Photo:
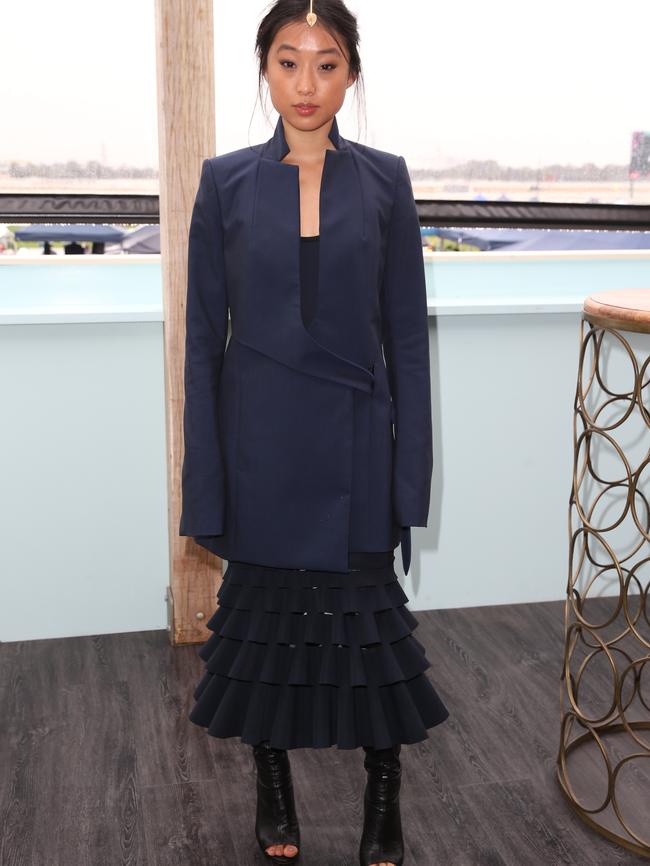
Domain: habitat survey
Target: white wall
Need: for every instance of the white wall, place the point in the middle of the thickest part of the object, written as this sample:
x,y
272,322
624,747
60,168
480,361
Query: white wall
x,y
84,504
502,390
83,510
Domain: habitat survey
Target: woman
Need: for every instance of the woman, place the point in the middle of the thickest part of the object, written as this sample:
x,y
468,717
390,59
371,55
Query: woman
x,y
308,442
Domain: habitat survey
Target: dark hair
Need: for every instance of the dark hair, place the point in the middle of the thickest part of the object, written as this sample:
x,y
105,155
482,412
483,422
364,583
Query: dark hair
x,y
333,15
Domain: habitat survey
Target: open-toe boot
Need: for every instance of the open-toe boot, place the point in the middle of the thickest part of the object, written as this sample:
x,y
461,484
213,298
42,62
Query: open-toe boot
x,y
276,822
381,840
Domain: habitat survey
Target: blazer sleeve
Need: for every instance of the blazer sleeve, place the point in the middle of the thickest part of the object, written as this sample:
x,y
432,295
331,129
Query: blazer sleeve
x,y
405,338
206,323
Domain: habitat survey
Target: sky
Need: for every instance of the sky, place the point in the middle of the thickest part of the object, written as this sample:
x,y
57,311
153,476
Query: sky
x,y
523,83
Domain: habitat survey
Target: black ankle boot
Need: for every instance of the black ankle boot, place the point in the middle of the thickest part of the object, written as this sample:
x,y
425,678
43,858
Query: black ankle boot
x,y
275,822
382,840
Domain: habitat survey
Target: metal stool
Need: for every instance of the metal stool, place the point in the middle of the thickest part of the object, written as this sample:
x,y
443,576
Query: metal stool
x,y
603,764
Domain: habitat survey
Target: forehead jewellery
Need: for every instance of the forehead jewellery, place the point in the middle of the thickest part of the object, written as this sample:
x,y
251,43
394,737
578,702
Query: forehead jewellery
x,y
311,15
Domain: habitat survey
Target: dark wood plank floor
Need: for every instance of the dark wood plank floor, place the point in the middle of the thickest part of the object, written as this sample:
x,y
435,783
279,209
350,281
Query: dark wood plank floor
x,y
100,766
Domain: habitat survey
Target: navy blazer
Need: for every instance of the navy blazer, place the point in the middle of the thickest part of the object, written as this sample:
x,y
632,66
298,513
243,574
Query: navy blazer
x,y
304,443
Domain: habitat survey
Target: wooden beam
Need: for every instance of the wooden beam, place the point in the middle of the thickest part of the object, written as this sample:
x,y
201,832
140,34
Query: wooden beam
x,y
186,136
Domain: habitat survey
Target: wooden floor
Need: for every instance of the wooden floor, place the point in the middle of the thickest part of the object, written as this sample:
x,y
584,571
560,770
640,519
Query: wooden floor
x,y
100,767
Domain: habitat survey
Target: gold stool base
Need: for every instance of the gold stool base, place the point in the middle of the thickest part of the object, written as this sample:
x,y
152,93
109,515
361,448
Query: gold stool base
x,y
606,810
603,767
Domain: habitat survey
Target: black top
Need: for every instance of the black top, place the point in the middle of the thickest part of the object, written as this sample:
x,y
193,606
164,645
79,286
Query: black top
x,y
309,248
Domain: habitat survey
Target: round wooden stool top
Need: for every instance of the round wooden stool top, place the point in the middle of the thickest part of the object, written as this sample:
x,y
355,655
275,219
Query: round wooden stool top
x,y
624,309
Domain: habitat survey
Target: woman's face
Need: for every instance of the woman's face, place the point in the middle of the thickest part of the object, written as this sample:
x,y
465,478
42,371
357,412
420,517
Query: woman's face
x,y
305,65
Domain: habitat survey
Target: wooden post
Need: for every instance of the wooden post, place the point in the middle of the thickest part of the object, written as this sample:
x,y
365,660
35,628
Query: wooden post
x,y
186,136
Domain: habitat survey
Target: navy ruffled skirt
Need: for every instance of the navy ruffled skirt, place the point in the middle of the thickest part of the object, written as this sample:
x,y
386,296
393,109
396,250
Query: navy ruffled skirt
x,y
312,659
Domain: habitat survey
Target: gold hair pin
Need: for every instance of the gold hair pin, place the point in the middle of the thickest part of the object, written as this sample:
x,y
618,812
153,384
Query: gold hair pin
x,y
311,15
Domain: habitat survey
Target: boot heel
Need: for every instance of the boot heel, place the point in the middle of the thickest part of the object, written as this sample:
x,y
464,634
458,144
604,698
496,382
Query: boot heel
x,y
276,822
382,840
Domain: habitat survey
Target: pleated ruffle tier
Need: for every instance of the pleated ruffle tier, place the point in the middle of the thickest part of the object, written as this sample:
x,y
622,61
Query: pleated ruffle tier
x,y
312,659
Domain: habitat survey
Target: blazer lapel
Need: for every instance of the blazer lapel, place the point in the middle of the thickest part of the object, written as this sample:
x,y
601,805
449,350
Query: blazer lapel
x,y
331,347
